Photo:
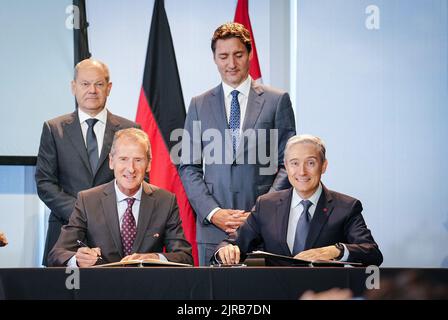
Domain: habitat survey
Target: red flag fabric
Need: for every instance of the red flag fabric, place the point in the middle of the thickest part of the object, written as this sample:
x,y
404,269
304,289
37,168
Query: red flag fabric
x,y
242,16
161,110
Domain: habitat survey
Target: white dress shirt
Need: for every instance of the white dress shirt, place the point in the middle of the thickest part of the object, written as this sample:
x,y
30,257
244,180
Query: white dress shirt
x,y
99,128
295,212
243,97
122,205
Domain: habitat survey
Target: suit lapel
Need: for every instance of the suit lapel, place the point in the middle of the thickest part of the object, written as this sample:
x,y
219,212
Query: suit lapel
x,y
218,110
109,203
283,209
72,129
112,126
255,103
147,205
323,211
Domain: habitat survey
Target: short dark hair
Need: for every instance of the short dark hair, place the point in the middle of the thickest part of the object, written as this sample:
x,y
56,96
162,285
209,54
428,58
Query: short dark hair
x,y
232,30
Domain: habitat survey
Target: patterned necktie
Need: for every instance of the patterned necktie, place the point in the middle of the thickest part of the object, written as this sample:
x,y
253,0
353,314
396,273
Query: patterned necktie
x,y
303,226
92,144
128,228
234,120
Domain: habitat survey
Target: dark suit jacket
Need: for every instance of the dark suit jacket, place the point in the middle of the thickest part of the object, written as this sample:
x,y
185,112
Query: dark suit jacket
x,y
95,222
337,218
233,185
63,168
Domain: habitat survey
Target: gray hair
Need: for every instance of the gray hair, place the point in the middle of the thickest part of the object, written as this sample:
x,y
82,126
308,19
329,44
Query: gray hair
x,y
134,134
306,138
92,62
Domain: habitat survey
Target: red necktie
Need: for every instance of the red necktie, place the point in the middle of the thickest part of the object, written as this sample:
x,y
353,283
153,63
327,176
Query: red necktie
x,y
128,228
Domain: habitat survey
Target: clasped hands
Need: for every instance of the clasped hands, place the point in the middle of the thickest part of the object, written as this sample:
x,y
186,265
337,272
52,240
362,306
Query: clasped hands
x,y
229,220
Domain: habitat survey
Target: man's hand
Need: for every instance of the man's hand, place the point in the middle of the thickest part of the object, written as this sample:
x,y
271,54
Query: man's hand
x,y
3,240
87,257
229,254
229,220
324,253
141,256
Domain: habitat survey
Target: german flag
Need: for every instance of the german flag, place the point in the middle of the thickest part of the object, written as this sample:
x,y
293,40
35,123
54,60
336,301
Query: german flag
x,y
161,110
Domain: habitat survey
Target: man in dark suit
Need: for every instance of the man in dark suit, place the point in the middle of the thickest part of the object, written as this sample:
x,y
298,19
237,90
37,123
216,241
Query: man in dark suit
x,y
248,121
74,147
308,221
126,218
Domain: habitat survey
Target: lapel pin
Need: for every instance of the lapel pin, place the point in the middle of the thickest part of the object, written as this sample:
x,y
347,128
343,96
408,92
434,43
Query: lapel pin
x,y
156,235
325,210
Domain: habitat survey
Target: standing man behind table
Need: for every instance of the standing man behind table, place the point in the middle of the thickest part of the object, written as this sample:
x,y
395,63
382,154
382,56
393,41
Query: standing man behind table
x,y
224,191
74,147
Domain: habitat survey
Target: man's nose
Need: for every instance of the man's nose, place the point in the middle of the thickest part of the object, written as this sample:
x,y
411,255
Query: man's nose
x,y
232,62
301,169
131,166
92,88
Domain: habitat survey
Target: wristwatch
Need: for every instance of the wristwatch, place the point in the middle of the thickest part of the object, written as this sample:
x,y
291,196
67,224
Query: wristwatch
x,y
341,249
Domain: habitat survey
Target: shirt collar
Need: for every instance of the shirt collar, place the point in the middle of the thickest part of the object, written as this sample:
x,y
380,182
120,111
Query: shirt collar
x,y
296,199
243,88
101,116
121,196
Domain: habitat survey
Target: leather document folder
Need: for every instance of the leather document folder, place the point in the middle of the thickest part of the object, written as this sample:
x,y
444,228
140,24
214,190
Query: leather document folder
x,y
290,261
143,263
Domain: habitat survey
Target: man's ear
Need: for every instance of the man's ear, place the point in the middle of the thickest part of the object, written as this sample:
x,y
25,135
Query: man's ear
x,y
148,168
324,166
109,87
111,165
73,86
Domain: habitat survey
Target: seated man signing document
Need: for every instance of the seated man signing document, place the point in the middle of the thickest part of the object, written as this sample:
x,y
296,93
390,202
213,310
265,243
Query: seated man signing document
x,y
308,221
126,218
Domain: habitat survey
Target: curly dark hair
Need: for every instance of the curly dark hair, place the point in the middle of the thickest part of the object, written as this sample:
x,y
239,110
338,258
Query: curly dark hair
x,y
232,30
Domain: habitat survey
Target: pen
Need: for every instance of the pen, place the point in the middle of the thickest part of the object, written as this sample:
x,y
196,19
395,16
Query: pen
x,y
82,244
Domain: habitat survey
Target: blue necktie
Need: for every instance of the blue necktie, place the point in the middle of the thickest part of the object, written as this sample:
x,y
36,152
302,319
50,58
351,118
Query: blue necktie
x,y
92,144
303,226
234,120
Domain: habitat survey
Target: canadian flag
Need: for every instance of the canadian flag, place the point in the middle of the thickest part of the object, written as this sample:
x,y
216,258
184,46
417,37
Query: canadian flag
x,y
242,16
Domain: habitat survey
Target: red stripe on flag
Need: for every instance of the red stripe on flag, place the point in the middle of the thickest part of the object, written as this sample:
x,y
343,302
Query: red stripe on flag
x,y
163,172
242,16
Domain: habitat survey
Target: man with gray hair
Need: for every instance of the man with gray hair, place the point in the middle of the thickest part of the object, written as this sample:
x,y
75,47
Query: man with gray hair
x,y
125,219
308,221
74,147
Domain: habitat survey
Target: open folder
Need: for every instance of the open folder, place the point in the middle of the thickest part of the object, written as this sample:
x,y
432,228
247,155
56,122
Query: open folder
x,y
143,263
290,261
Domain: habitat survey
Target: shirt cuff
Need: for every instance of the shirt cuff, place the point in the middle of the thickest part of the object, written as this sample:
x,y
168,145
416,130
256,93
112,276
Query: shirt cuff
x,y
72,263
210,215
162,257
346,253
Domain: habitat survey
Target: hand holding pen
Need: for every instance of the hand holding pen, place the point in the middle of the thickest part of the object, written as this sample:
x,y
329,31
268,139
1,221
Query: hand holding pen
x,y
87,257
